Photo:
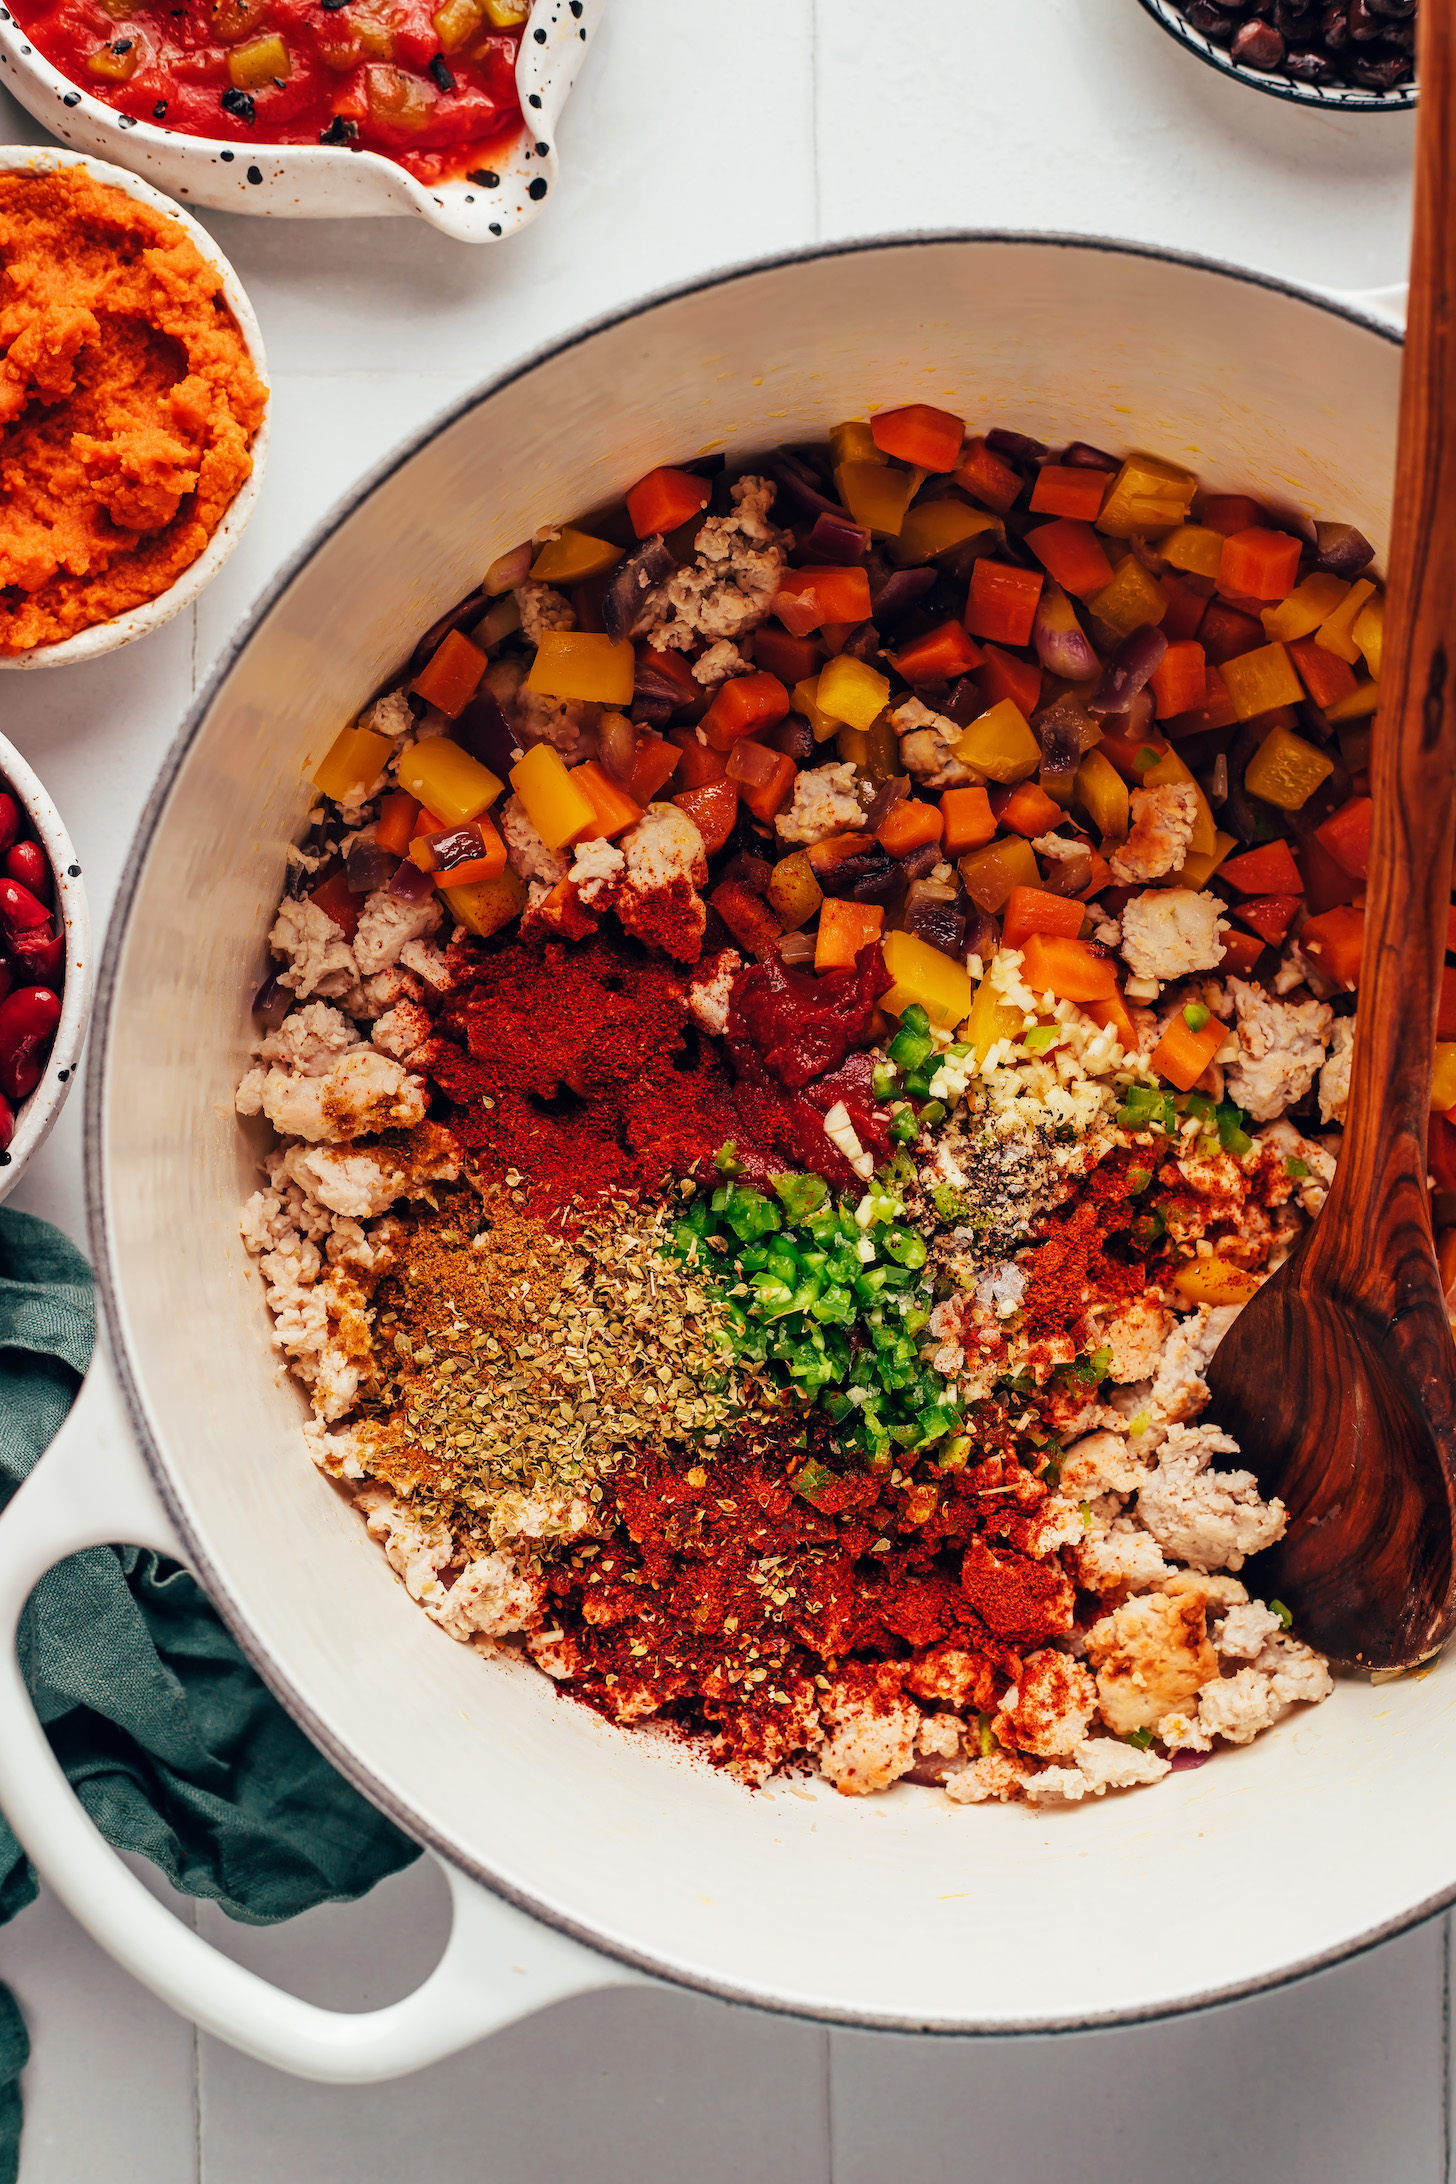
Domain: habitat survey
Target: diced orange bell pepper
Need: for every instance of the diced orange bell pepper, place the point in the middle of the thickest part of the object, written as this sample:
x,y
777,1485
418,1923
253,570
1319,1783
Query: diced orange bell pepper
x,y
1335,940
336,902
656,762
930,439
1182,1055
1269,915
1078,494
969,820
1346,835
1070,969
747,917
449,678
771,785
1268,870
666,498
1216,711
792,659
1186,608
909,825
1241,951
1072,555
845,928
743,704
1114,1010
1002,676
396,822
614,809
699,763
807,598
938,656
1030,811
489,865
1227,513
1002,601
1324,674
1032,910
1214,1281
1226,634
987,479
1259,563
1180,680
713,809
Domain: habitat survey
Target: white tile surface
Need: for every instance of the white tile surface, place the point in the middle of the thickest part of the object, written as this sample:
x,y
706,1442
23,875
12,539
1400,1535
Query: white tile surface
x,y
703,133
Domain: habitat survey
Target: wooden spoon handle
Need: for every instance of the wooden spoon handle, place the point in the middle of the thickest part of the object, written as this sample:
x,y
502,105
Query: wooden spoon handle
x,y
1380,1185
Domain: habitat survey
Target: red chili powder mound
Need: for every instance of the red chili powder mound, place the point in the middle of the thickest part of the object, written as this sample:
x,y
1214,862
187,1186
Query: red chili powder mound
x,y
1072,1266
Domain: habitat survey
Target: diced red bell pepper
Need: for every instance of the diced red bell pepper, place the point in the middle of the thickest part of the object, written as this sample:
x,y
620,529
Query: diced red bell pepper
x,y
1187,606
336,902
1072,555
939,656
1230,512
743,704
764,777
928,438
1241,951
1078,494
1030,811
1032,910
1180,680
1346,835
1335,940
1129,754
1216,711
713,809
1326,882
1269,915
656,762
808,598
792,659
1324,674
1259,564
699,763
1226,634
1002,601
987,479
666,498
1001,676
396,822
449,678
1268,870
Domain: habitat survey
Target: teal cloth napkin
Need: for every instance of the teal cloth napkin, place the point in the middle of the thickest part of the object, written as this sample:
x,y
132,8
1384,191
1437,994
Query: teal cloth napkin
x,y
172,1744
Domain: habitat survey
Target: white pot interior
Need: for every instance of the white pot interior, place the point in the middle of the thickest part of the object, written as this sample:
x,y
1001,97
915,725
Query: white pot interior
x,y
895,1910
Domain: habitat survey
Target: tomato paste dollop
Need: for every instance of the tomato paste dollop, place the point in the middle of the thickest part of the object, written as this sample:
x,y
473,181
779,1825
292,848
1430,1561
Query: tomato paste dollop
x,y
432,88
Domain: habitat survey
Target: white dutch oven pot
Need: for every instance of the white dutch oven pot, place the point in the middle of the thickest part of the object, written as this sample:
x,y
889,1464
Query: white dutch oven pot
x,y
581,1856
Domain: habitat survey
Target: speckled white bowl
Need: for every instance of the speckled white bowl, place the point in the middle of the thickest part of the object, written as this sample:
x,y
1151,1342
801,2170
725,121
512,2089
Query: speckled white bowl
x,y
1340,98
36,1116
123,629
322,182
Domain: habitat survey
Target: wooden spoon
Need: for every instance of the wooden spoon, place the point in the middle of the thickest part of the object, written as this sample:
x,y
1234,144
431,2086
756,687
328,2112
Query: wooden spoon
x,y
1339,1378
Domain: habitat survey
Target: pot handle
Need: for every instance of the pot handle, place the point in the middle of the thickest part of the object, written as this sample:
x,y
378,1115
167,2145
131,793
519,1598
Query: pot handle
x,y
499,1965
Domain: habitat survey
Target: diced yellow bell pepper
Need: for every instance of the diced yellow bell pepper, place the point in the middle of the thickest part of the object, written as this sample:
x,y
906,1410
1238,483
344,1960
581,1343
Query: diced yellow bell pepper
x,y
1103,795
1305,608
1214,1281
1199,867
991,1020
921,973
1193,548
1285,770
873,750
1147,495
1258,681
110,66
260,62
992,872
1443,1078
934,527
1169,769
1133,600
794,895
852,691
447,780
1359,705
455,22
354,759
806,701
557,807
573,557
1337,632
489,904
507,14
574,663
1000,744
855,443
875,495
1369,632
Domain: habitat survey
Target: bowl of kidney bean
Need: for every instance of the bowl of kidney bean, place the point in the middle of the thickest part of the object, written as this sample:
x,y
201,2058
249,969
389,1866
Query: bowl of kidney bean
x,y
1355,56
45,964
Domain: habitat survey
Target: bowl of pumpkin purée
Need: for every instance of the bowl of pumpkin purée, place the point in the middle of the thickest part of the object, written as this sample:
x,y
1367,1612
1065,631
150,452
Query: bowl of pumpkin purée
x,y
133,408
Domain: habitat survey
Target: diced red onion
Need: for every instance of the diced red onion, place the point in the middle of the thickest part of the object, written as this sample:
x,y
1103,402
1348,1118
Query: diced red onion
x,y
835,538
367,866
796,947
1064,652
748,871
410,884
273,1001
469,609
793,736
1064,730
881,879
795,481
1146,556
1218,781
1018,445
622,601
653,685
509,570
933,914
1342,550
1185,1762
899,593
1138,719
1079,456
617,740
1067,875
1128,671
483,730
455,846
751,764
886,797
919,861
967,702
983,934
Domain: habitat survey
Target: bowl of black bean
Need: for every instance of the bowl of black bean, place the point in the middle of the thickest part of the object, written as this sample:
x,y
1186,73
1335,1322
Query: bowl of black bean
x,y
1355,56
